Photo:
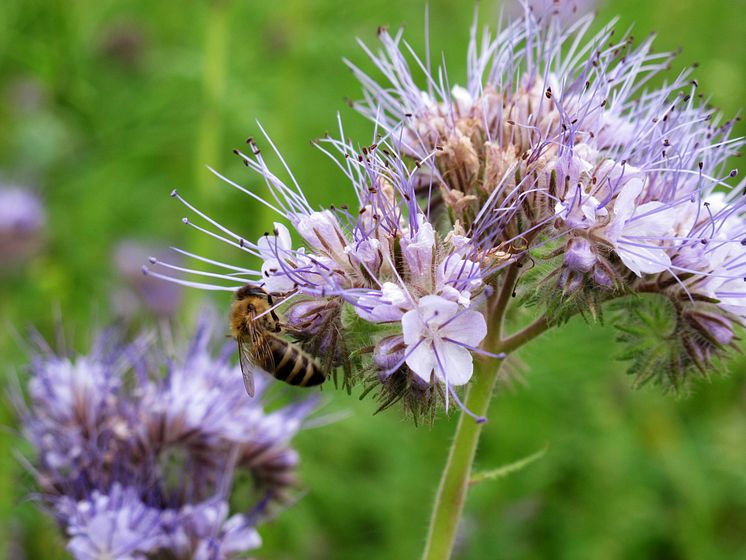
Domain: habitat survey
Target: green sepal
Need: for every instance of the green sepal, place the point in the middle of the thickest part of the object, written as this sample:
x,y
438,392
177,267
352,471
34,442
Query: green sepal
x,y
659,343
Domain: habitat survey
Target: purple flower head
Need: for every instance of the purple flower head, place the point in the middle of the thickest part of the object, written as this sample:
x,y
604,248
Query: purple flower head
x,y
566,141
136,451
22,222
199,410
115,524
205,531
118,524
74,416
554,148
553,151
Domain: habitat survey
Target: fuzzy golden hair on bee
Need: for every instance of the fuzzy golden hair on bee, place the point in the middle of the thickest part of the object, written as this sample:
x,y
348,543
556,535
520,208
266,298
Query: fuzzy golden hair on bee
x,y
261,346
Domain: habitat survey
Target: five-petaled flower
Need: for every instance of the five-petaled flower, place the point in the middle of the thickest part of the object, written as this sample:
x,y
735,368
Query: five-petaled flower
x,y
440,336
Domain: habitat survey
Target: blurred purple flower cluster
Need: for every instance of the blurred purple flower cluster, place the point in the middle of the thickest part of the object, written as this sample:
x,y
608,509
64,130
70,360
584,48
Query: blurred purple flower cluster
x,y
22,223
137,449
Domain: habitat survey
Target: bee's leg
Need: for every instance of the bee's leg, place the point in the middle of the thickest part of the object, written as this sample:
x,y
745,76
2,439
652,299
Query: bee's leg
x,y
272,313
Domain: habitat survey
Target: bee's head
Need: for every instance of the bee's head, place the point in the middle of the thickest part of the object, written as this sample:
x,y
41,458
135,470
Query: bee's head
x,y
250,291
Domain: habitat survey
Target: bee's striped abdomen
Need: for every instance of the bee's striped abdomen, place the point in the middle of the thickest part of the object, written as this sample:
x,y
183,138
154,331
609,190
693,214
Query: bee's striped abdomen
x,y
293,365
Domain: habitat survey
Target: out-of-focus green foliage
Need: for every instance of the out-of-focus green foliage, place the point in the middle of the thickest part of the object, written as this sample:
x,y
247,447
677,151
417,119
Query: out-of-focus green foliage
x,y
102,106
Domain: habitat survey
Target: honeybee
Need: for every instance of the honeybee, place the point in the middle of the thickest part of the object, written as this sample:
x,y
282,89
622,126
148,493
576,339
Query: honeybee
x,y
256,328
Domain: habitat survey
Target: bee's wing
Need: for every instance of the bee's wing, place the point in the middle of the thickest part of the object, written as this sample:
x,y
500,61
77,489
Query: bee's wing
x,y
254,353
247,366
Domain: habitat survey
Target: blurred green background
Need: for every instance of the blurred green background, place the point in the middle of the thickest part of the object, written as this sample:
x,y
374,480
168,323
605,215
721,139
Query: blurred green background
x,y
108,105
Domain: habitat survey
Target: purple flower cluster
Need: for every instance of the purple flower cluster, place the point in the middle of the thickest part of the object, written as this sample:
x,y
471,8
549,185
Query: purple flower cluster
x,y
137,452
554,151
556,141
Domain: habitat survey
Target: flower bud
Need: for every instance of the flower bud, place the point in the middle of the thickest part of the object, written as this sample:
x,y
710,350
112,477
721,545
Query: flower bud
x,y
307,316
317,324
399,383
570,281
367,254
417,250
579,254
716,328
388,353
601,277
322,231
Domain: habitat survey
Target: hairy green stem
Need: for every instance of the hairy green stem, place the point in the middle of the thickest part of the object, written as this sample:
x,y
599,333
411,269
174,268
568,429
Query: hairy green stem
x,y
523,336
454,482
449,502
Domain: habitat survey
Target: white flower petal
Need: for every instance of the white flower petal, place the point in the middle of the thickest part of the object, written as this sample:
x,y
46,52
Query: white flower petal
x,y
624,208
385,306
421,360
732,296
455,270
366,252
283,235
460,243
644,260
272,245
457,362
436,310
450,293
413,329
469,327
275,279
653,219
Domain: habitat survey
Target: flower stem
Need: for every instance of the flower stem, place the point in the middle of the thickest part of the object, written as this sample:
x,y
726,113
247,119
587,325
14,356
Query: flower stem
x,y
530,332
454,482
449,502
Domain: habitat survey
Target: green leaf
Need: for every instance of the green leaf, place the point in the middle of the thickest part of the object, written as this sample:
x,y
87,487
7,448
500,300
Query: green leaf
x,y
510,468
